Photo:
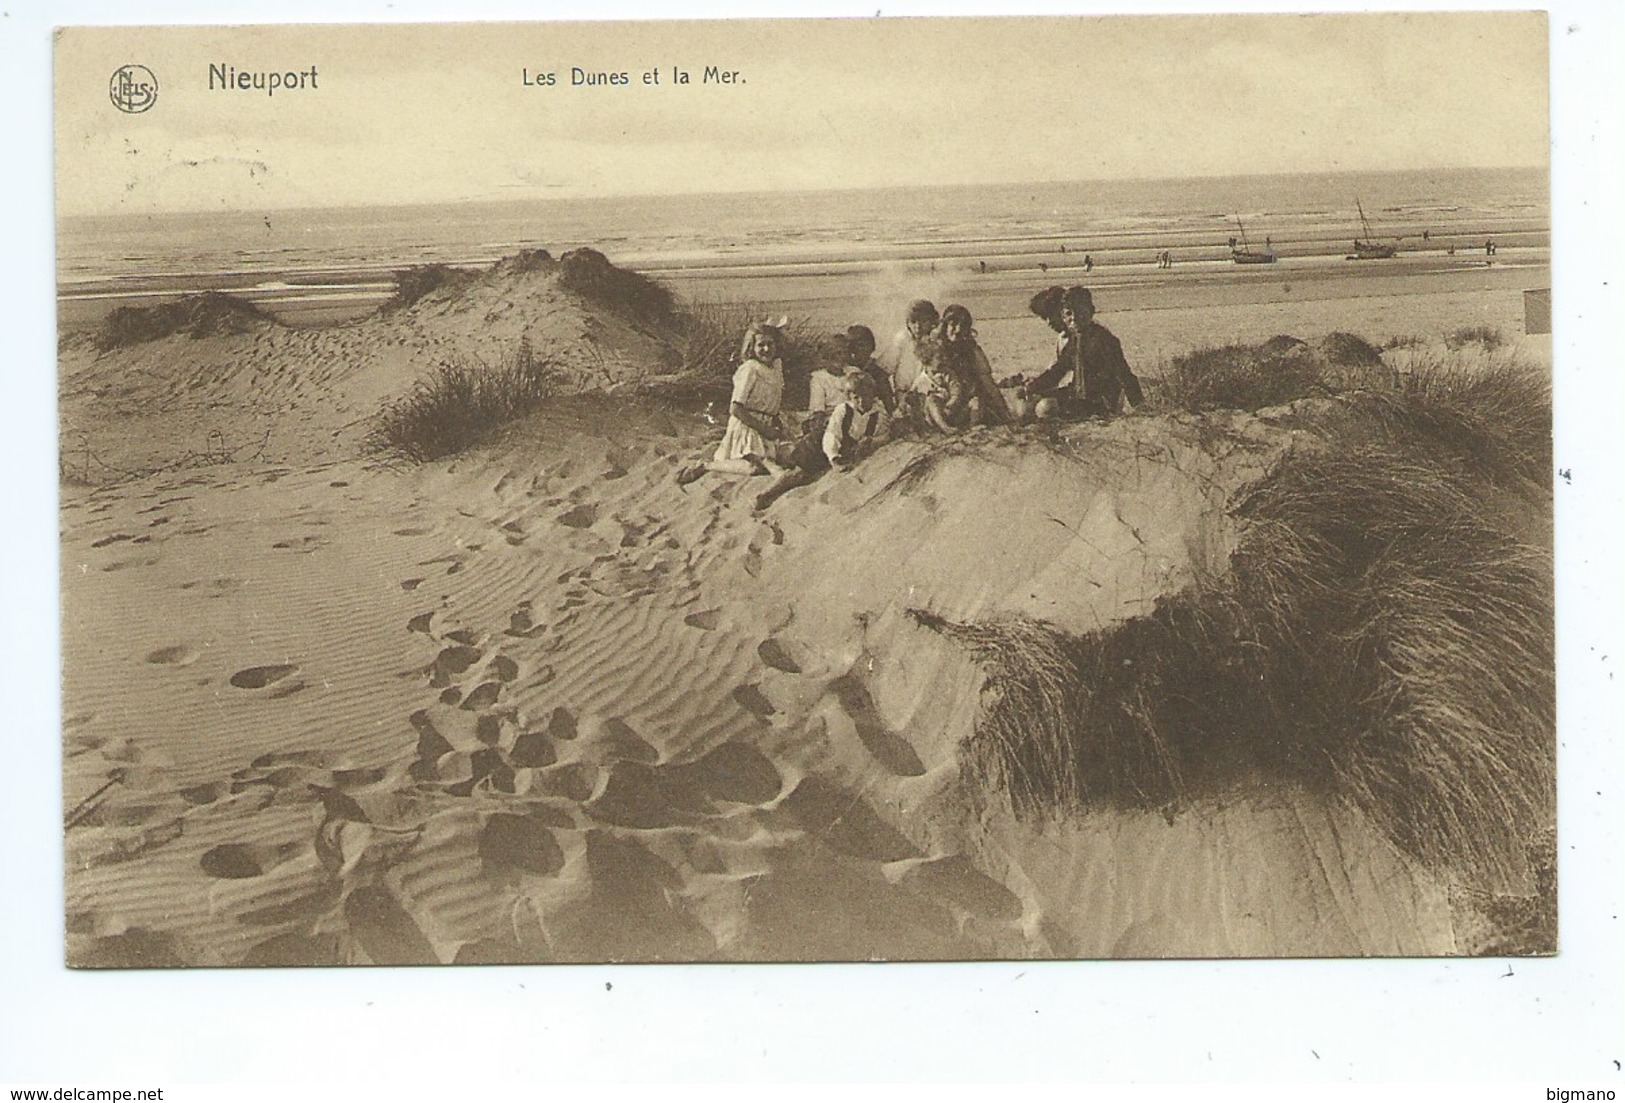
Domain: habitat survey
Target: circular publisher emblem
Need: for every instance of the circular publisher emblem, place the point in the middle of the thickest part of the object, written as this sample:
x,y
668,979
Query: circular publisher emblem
x,y
133,88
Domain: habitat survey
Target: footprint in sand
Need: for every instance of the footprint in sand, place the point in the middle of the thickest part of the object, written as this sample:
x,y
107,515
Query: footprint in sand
x,y
180,654
482,696
845,822
751,698
258,677
420,623
533,750
520,842
618,740
562,724
706,619
583,516
412,532
410,584
114,539
773,652
452,661
503,669
521,624
633,797
955,879
239,861
126,564
735,773
891,750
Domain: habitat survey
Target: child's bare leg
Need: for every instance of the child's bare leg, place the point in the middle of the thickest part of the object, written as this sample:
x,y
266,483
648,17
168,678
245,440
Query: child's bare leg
x,y
739,466
934,414
794,477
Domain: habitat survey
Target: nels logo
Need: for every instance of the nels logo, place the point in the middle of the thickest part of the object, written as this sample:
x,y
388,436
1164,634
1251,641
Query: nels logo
x,y
133,88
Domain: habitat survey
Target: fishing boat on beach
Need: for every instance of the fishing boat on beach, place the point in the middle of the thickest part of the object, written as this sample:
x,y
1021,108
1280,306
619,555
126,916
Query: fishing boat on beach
x,y
1245,253
1365,248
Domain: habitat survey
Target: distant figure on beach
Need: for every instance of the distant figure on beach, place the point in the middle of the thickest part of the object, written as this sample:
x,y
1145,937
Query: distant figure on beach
x,y
902,359
747,446
1232,243
983,265
1088,263
1090,376
1424,235
1489,248
854,427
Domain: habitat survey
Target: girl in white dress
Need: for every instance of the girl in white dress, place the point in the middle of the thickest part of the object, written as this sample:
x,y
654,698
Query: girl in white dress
x,y
748,445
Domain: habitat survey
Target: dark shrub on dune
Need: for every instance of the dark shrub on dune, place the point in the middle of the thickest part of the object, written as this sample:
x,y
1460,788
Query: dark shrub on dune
x,y
632,295
1281,370
1492,422
707,349
525,261
1382,638
413,284
1344,350
210,314
1241,377
1486,337
459,405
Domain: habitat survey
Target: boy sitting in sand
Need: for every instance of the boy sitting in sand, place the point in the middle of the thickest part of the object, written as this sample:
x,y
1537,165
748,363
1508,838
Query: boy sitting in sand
x,y
1096,375
859,346
855,426
747,446
826,387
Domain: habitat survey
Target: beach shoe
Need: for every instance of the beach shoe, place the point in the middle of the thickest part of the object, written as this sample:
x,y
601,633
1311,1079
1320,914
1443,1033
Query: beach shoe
x,y
757,465
686,475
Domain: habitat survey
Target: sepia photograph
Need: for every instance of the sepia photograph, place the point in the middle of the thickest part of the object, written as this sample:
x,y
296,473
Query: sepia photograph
x,y
797,490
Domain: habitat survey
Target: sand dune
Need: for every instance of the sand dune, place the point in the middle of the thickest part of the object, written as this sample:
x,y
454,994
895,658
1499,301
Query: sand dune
x,y
508,709
539,703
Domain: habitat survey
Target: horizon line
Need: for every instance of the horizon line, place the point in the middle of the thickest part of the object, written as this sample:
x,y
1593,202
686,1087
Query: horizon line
x,y
541,197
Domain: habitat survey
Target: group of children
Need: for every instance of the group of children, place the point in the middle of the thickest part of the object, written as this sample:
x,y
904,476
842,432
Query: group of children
x,y
933,376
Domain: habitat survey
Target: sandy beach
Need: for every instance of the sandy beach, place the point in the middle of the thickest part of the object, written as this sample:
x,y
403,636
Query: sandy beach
x,y
540,703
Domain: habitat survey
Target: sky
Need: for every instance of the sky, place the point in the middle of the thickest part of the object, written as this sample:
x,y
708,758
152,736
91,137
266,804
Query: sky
x,y
425,114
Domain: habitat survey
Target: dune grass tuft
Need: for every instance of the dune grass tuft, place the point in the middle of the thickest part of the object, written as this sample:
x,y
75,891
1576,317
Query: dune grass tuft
x,y
460,404
212,313
415,283
709,333
630,294
1241,377
1488,338
1382,637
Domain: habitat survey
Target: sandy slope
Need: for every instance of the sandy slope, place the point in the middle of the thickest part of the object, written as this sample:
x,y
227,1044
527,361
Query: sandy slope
x,y
542,704
277,393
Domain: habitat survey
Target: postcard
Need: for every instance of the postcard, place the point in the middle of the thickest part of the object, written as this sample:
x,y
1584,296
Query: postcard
x,y
806,490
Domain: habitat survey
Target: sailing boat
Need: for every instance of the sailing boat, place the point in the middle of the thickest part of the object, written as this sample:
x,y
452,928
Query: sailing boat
x,y
1246,254
1367,249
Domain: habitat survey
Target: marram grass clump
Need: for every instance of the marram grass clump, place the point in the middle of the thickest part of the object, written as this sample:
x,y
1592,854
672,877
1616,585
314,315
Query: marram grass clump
x,y
461,404
209,314
1382,637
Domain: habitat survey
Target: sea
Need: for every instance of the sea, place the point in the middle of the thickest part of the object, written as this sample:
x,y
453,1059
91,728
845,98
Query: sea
x,y
326,264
